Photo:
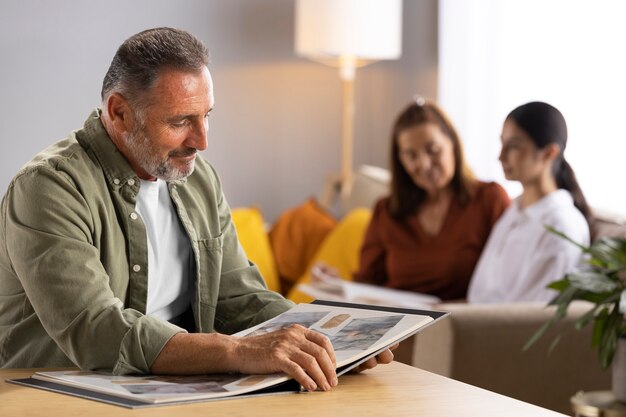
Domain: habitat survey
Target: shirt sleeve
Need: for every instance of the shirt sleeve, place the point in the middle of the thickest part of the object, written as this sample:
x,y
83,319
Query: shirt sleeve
x,y
54,253
372,268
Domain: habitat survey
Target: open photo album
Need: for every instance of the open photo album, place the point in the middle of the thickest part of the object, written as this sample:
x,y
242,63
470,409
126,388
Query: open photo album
x,y
327,287
357,332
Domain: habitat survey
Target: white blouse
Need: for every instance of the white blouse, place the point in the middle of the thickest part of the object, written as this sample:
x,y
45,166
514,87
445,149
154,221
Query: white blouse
x,y
521,257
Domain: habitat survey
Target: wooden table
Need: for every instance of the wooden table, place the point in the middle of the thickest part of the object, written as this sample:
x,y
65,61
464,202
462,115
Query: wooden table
x,y
390,390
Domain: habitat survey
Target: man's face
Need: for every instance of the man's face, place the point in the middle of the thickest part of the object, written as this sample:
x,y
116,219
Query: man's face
x,y
172,125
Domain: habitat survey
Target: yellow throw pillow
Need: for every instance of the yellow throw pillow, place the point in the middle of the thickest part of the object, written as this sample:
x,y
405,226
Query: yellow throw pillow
x,y
253,237
341,249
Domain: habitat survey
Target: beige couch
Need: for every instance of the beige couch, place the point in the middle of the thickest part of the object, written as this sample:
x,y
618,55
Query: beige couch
x,y
482,346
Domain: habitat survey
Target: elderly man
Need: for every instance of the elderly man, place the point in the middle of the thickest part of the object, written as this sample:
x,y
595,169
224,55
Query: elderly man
x,y
117,249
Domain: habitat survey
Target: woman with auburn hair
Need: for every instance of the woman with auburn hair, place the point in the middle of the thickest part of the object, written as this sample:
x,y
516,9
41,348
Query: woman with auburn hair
x,y
428,234
522,256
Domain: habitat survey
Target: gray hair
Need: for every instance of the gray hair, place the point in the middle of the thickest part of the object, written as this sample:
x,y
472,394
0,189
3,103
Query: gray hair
x,y
141,58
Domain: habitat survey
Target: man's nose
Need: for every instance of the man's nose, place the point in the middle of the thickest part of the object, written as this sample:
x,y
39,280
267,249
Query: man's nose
x,y
198,136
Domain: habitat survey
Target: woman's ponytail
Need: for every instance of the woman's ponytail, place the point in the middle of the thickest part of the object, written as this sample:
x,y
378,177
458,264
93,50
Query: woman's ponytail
x,y
566,179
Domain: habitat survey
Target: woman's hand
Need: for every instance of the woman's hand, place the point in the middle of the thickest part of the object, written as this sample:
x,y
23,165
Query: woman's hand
x,y
321,271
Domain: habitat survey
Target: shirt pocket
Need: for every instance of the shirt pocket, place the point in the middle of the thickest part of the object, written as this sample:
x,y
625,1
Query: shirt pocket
x,y
209,264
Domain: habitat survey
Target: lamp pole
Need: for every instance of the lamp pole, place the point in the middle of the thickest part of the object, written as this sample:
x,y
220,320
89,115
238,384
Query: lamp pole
x,y
347,72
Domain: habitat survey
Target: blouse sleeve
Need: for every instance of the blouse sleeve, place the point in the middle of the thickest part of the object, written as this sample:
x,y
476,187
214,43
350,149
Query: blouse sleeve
x,y
373,252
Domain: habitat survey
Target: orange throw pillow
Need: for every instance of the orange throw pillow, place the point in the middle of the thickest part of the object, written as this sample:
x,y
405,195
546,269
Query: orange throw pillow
x,y
295,237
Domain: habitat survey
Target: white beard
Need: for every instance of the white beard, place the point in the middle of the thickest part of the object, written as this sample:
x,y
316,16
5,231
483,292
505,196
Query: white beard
x,y
147,157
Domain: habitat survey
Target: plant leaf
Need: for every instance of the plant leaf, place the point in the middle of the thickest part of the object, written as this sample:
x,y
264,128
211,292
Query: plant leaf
x,y
598,327
564,236
611,252
555,342
591,281
564,298
559,285
610,336
601,285
598,299
545,326
583,320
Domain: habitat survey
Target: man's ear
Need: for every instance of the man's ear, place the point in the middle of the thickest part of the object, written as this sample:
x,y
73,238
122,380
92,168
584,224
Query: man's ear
x,y
120,113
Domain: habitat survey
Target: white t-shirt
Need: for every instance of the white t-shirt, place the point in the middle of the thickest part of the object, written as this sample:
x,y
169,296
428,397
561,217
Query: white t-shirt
x,y
170,258
521,257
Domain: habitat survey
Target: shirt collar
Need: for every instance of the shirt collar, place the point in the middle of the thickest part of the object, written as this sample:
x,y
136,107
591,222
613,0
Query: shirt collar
x,y
546,204
116,167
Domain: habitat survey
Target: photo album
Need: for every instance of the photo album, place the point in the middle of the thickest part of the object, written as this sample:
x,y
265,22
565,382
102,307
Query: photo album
x,y
328,287
357,332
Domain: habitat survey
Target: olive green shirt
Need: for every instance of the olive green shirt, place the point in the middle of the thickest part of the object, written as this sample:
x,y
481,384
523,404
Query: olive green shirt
x,y
74,262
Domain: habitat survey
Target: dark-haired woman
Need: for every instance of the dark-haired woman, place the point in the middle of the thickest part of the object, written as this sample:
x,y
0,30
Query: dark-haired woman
x,y
521,256
428,234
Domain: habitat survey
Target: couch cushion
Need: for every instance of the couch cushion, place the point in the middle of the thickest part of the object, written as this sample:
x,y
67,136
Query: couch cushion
x,y
296,236
253,237
341,250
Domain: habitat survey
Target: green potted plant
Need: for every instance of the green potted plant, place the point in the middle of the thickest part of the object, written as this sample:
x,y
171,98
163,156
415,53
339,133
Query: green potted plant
x,y
603,284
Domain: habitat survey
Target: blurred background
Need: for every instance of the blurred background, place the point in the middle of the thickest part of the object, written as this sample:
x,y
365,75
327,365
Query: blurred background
x,y
275,133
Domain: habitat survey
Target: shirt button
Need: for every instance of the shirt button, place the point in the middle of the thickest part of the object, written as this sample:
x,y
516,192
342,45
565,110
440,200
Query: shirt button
x,y
116,181
133,216
131,182
136,268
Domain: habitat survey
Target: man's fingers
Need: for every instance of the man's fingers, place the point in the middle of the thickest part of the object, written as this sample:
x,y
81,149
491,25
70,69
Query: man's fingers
x,y
382,358
294,370
368,364
322,362
322,341
385,357
312,368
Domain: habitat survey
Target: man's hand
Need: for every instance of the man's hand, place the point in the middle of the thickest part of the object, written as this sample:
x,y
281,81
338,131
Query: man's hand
x,y
304,354
382,358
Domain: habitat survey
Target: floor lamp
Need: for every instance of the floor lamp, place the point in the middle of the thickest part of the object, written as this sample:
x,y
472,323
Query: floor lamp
x,y
348,34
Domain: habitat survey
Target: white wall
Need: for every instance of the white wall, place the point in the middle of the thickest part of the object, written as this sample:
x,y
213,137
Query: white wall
x,y
274,134
490,63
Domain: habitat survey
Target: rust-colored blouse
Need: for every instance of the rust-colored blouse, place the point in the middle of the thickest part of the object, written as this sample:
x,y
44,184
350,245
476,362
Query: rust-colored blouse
x,y
401,255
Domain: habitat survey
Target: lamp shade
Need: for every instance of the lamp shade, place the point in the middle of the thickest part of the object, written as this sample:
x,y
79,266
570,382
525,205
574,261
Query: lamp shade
x,y
367,30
